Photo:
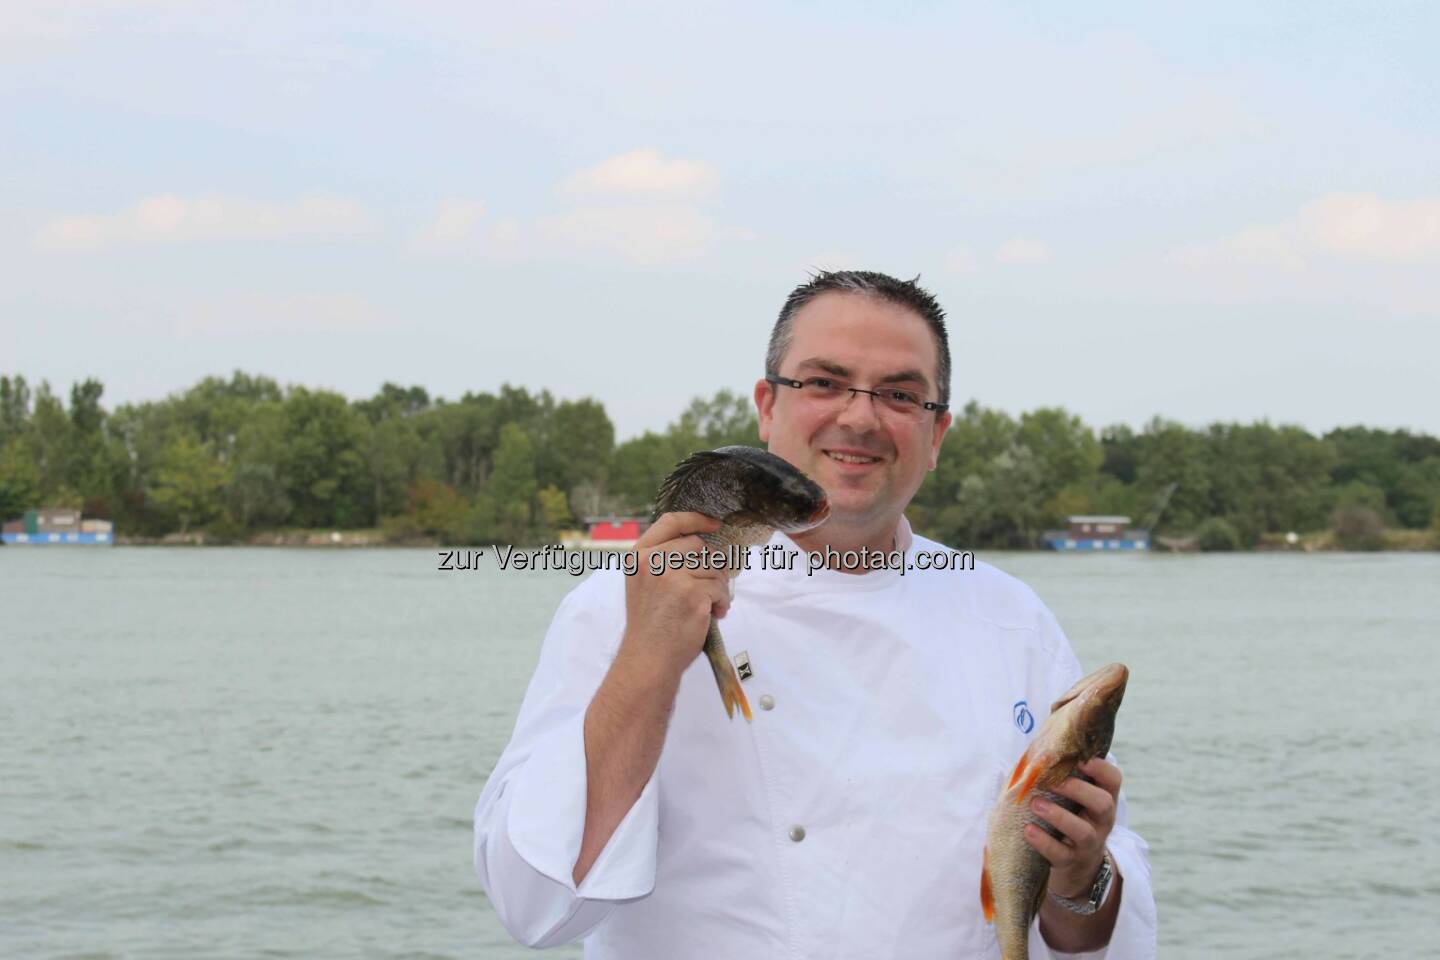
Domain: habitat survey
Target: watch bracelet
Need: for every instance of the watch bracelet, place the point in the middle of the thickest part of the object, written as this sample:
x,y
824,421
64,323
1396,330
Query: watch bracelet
x,y
1092,904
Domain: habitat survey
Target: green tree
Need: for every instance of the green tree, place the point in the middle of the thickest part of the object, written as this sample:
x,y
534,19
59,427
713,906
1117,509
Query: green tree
x,y
638,466
395,402
554,510
513,486
188,483
465,434
19,480
52,443
1358,528
1068,458
438,509
14,407
322,460
256,495
579,443
1168,452
723,420
393,456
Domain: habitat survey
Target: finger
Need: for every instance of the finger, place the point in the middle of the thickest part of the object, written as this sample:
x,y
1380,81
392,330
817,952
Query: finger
x,y
718,593
1077,829
671,552
668,526
698,558
692,555
1105,774
1097,803
1059,854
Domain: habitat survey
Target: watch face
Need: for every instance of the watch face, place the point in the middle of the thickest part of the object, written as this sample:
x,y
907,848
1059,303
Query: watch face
x,y
1102,884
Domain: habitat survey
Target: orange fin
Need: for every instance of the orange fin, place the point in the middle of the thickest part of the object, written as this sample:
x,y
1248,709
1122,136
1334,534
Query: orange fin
x,y
1031,776
735,696
726,678
1019,769
987,898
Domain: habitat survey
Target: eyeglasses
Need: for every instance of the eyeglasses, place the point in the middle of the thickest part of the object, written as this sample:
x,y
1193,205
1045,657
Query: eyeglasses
x,y
831,392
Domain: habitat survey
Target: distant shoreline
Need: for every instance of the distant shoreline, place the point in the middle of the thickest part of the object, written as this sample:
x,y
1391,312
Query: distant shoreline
x,y
1395,541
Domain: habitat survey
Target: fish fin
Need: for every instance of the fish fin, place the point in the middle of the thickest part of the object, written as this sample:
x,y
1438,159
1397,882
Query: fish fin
x,y
1032,775
673,484
1019,769
987,896
731,693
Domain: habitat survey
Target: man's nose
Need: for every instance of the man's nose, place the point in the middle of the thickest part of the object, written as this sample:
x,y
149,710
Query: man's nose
x,y
859,413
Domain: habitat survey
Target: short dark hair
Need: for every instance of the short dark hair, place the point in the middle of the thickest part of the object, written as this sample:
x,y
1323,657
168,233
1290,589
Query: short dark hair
x,y
882,286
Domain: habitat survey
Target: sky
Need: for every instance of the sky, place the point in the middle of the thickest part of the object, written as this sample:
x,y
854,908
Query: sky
x,y
1204,212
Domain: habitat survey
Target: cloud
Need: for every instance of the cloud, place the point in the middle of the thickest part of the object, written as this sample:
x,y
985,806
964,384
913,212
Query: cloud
x,y
643,173
455,226
209,218
1022,251
1357,227
637,208
643,235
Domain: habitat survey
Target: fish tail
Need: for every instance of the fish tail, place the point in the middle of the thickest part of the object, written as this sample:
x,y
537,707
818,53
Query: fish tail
x,y
731,693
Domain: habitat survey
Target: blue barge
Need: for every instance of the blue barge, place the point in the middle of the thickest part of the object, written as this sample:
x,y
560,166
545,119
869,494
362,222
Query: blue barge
x,y
56,525
1096,533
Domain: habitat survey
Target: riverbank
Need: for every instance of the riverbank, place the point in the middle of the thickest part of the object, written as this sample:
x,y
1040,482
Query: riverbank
x,y
1321,541
371,537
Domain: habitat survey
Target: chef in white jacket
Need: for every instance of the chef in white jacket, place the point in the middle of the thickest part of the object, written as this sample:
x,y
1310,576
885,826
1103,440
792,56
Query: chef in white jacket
x,y
848,819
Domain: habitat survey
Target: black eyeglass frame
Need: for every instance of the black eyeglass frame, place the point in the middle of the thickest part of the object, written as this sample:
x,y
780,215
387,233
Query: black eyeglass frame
x,y
799,384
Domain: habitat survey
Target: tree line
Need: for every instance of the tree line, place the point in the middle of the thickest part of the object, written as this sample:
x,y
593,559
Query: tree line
x,y
241,455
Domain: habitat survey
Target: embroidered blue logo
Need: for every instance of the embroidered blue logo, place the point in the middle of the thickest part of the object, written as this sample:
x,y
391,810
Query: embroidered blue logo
x,y
1024,719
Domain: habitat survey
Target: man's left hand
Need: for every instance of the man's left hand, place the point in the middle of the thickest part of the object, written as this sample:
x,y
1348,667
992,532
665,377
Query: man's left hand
x,y
1076,860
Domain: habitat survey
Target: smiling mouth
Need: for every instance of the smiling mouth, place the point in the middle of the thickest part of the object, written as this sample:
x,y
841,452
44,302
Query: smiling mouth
x,y
839,457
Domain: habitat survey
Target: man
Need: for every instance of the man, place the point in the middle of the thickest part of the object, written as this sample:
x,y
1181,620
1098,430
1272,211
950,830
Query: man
x,y
848,820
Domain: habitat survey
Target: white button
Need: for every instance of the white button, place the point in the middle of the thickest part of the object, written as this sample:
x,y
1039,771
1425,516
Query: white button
x,y
767,702
797,833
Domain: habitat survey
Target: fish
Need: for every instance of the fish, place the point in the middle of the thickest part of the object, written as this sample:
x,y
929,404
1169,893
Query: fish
x,y
753,493
1013,875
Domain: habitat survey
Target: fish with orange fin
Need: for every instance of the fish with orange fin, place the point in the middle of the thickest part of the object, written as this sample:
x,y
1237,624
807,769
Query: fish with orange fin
x,y
1014,876
752,493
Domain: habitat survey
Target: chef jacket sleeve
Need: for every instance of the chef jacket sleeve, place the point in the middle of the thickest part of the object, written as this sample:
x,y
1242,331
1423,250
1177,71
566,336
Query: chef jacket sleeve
x,y
1134,936
531,814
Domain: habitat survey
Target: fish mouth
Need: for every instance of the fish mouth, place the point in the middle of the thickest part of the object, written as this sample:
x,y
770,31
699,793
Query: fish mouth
x,y
817,516
1110,680
1106,688
1105,685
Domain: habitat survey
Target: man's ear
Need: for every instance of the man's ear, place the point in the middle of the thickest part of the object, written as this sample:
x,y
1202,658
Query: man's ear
x,y
764,405
942,424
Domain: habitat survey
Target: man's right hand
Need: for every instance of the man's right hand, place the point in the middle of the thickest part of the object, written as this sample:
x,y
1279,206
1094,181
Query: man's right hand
x,y
668,615
666,619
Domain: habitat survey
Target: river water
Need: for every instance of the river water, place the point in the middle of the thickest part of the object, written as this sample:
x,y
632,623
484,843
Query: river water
x,y
269,752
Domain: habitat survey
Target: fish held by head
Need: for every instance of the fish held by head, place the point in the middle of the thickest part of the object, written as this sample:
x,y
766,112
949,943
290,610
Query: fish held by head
x,y
1014,875
753,493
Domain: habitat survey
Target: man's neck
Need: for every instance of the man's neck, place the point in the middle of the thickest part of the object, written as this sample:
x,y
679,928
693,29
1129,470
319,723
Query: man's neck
x,y
838,539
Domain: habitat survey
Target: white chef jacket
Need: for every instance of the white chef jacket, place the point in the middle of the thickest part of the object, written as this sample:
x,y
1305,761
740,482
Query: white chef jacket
x,y
847,821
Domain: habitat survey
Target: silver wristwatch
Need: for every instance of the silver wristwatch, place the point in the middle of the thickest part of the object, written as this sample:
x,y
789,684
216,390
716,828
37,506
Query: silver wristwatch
x,y
1099,890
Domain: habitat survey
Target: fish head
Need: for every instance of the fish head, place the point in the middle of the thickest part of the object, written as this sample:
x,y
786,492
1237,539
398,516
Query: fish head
x,y
1089,710
776,494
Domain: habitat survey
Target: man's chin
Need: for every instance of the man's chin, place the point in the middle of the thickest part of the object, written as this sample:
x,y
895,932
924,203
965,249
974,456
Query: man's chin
x,y
848,505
